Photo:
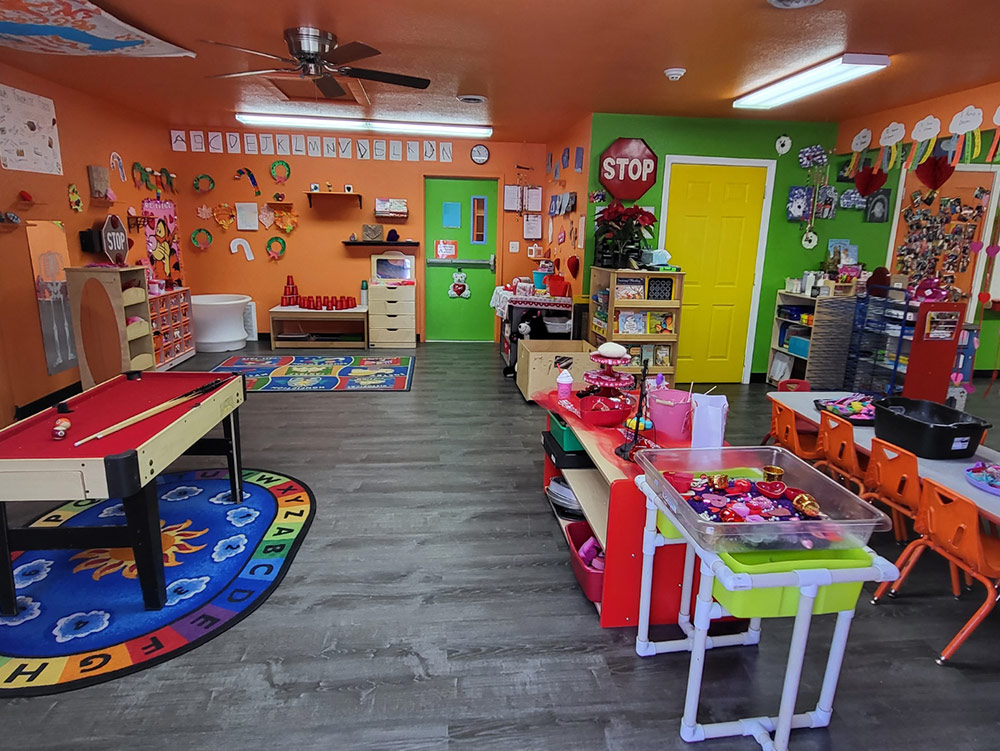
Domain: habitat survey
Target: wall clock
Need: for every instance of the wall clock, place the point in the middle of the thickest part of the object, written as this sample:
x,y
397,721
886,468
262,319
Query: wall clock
x,y
480,154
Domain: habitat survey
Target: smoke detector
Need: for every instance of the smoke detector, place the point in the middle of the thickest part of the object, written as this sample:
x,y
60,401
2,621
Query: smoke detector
x,y
788,4
674,74
471,98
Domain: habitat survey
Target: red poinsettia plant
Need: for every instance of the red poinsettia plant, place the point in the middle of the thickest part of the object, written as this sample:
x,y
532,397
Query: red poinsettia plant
x,y
620,228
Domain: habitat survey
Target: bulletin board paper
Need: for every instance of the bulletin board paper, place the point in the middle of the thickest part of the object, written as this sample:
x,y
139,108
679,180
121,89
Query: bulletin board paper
x,y
29,138
532,226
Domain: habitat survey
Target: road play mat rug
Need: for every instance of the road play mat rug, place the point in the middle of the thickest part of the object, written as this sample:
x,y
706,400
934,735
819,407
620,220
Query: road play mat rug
x,y
322,373
82,619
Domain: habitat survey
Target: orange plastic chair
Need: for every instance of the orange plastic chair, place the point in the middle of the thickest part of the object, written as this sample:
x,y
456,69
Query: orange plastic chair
x,y
786,433
791,384
839,458
951,527
893,479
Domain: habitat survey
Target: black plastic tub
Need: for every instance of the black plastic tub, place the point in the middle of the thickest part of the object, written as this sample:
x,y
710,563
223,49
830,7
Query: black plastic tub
x,y
928,429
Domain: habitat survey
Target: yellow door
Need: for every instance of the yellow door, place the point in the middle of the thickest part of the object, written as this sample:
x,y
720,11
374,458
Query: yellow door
x,y
713,226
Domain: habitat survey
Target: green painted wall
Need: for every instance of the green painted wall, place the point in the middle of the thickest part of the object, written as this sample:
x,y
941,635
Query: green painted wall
x,y
749,139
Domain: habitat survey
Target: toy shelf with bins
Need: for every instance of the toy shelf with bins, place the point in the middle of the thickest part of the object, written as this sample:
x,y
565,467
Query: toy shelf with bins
x,y
102,300
606,307
827,329
173,335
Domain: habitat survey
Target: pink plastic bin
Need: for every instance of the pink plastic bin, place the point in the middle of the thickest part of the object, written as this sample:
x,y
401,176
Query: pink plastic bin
x,y
591,580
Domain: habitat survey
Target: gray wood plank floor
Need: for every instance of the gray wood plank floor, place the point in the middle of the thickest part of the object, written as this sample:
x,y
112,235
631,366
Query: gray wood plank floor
x,y
432,606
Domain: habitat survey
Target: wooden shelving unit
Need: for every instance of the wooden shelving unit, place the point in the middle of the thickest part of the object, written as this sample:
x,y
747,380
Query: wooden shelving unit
x,y
102,299
829,336
310,194
173,334
606,280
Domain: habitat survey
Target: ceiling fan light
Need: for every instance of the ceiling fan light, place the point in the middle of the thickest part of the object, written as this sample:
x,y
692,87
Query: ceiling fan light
x,y
311,122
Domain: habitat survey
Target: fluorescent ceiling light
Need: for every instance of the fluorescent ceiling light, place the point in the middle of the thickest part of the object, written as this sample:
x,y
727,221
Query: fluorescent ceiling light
x,y
363,126
824,76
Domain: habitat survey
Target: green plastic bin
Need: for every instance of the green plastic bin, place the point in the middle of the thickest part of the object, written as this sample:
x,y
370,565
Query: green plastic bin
x,y
563,433
780,602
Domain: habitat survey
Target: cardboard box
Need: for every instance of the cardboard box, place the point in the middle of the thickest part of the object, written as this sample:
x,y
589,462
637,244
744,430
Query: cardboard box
x,y
537,366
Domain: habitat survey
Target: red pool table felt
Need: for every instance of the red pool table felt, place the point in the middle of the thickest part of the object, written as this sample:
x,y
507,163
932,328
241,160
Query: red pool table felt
x,y
101,407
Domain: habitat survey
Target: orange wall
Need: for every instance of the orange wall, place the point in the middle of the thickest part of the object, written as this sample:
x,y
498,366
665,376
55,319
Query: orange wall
x,y
315,255
89,130
569,181
944,108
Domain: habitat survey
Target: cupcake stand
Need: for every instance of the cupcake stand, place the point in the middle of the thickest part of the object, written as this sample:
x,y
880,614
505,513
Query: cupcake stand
x,y
796,568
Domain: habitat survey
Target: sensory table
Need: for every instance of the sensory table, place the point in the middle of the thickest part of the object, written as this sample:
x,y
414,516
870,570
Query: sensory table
x,y
125,464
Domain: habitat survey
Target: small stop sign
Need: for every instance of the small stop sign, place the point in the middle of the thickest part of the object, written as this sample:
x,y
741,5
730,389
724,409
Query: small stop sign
x,y
115,240
628,168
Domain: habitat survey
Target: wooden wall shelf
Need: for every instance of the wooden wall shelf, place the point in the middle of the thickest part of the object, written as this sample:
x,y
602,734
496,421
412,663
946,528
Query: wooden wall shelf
x,y
381,244
310,194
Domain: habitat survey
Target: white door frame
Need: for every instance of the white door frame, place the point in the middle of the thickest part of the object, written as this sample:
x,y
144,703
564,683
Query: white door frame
x,y
765,219
989,219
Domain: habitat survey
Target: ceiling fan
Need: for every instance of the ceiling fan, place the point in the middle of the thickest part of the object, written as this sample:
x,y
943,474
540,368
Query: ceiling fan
x,y
315,54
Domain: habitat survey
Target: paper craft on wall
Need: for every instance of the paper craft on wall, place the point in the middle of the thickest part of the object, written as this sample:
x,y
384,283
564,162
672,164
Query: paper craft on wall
x,y
196,140
49,259
178,140
250,143
444,151
246,216
578,159
329,147
826,202
859,145
451,215
314,146
77,27
100,181
364,149
298,144
430,151
888,141
379,149
413,151
532,226
924,135
877,208
799,206
532,198
266,144
118,165
30,140
395,151
968,138
282,144
238,243
548,163
162,242
216,143
992,154
512,197
565,158
345,148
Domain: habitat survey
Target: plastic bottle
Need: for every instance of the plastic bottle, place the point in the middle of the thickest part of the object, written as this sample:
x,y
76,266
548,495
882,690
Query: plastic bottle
x,y
564,384
364,292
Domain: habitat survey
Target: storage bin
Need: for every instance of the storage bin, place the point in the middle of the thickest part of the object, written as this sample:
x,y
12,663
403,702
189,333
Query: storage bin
x,y
799,345
564,459
928,429
591,579
563,434
539,278
558,325
539,362
781,602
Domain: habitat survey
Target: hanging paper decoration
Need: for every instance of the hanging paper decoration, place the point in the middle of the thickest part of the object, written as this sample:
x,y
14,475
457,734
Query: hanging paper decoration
x,y
933,173
812,156
266,216
275,248
888,141
783,145
968,138
852,199
140,176
208,186
286,220
204,212
201,242
224,215
280,171
118,165
459,286
799,206
253,180
164,179
75,201
992,154
162,242
924,135
859,145
867,181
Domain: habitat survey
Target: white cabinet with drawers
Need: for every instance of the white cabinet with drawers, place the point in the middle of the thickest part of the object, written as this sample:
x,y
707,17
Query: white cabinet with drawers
x,y
392,315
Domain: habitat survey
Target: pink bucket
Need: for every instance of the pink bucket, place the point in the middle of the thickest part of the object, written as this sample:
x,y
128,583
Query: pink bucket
x,y
670,411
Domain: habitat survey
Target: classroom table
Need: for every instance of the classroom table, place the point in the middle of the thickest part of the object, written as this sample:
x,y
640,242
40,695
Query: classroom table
x,y
36,467
947,472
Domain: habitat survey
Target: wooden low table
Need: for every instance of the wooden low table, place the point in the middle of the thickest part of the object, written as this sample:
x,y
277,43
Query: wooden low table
x,y
303,317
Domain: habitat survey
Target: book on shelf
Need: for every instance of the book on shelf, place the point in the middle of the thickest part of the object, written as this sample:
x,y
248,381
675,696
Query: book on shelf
x,y
635,355
660,323
630,288
630,322
599,325
661,354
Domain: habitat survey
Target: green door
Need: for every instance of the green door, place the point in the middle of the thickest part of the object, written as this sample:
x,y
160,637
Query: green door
x,y
461,236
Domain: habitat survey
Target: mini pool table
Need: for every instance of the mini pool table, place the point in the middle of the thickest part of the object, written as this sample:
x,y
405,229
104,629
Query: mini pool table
x,y
36,467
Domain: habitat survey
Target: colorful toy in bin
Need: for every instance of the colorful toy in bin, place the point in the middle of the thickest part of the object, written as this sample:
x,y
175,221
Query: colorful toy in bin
x,y
857,408
985,476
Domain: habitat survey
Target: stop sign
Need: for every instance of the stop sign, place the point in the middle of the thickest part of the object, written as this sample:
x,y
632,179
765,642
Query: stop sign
x,y
628,168
115,240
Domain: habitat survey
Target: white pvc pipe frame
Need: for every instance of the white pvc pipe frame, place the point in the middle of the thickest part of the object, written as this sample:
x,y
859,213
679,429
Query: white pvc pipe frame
x,y
772,733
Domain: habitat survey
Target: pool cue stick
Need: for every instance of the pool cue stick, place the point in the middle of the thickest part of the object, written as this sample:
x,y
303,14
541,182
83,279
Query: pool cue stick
x,y
170,404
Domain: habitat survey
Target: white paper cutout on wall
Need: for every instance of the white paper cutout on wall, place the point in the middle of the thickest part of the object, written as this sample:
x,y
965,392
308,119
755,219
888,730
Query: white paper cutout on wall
x,y
249,143
512,197
378,149
233,143
532,227
413,151
444,149
246,216
395,151
970,118
238,243
364,148
314,146
282,144
266,216
178,140
430,151
550,229
266,143
298,144
329,147
580,232
532,198
924,135
196,139
345,148
216,144
31,138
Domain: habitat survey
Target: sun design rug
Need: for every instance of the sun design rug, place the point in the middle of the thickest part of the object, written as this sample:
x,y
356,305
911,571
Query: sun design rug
x,y
82,619
321,373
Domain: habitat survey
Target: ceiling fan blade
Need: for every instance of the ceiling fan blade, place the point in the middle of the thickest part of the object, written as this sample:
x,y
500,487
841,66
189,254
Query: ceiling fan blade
x,y
348,53
251,52
329,88
378,75
245,73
